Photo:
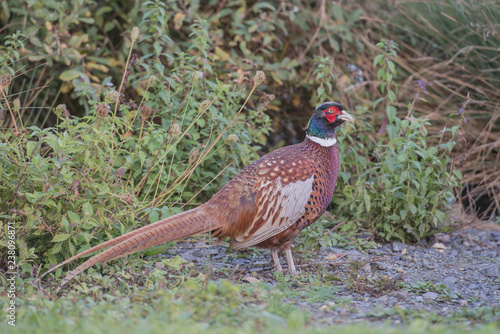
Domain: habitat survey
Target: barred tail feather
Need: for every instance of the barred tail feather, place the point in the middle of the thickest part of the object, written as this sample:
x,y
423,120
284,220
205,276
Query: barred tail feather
x,y
182,225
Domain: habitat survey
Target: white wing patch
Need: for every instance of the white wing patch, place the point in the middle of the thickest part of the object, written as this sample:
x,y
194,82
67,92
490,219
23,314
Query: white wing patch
x,y
278,206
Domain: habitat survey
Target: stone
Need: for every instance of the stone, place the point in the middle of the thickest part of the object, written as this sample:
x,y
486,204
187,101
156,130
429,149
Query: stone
x,y
495,235
439,246
492,270
382,300
442,237
353,252
430,295
381,265
387,248
251,279
398,246
449,282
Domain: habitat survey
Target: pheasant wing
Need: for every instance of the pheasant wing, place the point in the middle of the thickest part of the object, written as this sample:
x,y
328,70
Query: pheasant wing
x,y
283,188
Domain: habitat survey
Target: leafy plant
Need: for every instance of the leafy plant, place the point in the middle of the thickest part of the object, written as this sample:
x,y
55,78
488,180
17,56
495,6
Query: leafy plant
x,y
399,187
90,178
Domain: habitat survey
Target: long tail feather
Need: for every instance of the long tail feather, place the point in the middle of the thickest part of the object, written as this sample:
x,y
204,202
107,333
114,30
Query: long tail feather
x,y
182,225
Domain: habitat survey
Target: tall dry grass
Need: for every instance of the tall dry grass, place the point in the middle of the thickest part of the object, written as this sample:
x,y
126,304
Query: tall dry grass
x,y
453,46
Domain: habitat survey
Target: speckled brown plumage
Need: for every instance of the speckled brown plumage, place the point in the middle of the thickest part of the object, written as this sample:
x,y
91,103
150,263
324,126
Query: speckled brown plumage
x,y
266,205
307,160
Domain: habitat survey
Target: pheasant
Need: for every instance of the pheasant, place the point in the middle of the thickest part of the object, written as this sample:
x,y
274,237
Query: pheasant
x,y
266,205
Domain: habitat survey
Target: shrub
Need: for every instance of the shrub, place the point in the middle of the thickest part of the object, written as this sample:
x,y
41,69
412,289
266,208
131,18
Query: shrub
x,y
88,179
397,186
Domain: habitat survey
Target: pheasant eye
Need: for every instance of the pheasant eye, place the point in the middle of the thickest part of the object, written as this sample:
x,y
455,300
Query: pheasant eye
x,y
331,113
333,110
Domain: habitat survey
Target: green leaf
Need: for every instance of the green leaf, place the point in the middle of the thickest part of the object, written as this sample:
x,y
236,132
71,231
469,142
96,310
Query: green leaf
x,y
458,174
30,146
70,75
391,95
391,66
56,248
391,112
378,59
87,209
142,157
200,122
73,217
380,73
155,250
367,201
394,217
61,237
392,130
413,208
154,216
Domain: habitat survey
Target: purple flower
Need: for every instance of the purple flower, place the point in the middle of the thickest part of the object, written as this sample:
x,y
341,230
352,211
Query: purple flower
x,y
422,85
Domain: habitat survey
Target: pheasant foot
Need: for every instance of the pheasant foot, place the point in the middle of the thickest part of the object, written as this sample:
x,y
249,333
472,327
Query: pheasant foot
x,y
277,264
289,259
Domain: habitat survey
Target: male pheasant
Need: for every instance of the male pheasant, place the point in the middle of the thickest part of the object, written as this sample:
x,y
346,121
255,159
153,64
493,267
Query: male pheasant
x,y
266,205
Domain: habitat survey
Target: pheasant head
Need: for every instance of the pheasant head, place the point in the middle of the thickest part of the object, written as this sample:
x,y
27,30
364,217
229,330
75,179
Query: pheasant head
x,y
326,118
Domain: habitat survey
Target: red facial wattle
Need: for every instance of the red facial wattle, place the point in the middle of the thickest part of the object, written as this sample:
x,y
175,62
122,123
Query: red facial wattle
x,y
331,114
330,117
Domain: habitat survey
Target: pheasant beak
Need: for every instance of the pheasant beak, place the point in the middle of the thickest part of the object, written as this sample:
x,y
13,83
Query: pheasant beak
x,y
345,117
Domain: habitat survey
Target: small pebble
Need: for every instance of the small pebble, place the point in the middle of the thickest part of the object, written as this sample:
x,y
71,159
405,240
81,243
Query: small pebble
x,y
398,246
430,295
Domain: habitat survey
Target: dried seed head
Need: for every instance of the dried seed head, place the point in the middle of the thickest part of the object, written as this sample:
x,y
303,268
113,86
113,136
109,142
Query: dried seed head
x,y
146,111
204,106
231,139
151,81
259,78
193,156
120,172
60,110
112,97
176,130
266,98
17,105
5,80
135,33
102,110
176,78
127,198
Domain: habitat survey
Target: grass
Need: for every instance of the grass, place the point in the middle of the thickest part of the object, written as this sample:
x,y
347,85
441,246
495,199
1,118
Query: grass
x,y
195,305
173,296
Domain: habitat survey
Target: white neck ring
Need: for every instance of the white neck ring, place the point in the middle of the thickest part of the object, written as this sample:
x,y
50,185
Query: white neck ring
x,y
325,142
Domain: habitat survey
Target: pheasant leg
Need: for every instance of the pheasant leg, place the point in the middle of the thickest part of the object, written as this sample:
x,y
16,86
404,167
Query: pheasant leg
x,y
289,260
277,264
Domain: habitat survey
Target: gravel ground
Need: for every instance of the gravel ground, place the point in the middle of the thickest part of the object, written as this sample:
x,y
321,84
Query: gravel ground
x,y
443,275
